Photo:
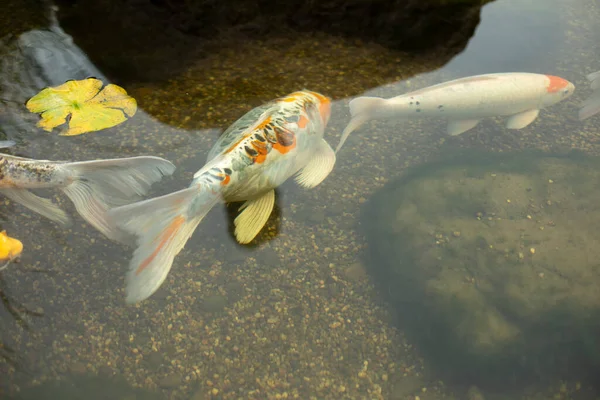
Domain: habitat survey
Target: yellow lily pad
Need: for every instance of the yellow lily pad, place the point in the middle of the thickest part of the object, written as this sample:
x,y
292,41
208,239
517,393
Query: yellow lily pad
x,y
84,104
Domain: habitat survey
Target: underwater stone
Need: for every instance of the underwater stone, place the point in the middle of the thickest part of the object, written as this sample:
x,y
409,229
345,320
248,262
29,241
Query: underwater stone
x,y
481,307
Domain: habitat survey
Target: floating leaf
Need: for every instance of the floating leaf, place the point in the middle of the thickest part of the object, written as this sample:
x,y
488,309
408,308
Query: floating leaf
x,y
84,104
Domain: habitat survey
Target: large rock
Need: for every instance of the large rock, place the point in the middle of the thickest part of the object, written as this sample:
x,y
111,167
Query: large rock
x,y
110,29
492,264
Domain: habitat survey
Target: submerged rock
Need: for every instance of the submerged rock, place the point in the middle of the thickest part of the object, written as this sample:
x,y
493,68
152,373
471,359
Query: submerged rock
x,y
515,294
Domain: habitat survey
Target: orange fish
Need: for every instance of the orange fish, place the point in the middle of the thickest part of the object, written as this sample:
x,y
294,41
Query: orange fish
x,y
10,249
256,154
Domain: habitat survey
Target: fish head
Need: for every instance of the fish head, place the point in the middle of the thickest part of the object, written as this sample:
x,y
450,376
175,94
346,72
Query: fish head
x,y
557,89
323,106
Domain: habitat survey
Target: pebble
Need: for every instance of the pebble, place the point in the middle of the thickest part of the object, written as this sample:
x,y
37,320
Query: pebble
x,y
214,303
355,272
170,381
78,368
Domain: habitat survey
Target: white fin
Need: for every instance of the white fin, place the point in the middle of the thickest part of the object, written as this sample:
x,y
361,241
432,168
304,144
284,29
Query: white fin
x,y
595,79
362,109
318,167
6,143
521,120
38,204
253,217
98,186
162,226
591,106
458,127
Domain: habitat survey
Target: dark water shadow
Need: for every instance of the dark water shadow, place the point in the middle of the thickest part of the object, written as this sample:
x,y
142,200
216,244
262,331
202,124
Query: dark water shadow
x,y
560,343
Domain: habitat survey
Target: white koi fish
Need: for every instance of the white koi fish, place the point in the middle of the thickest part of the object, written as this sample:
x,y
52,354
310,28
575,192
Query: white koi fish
x,y
591,106
464,102
255,155
93,186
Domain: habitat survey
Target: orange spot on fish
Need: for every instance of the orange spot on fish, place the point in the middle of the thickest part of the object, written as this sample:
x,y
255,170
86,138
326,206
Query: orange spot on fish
x,y
556,83
290,98
303,121
322,99
286,141
166,237
226,180
261,149
325,111
259,127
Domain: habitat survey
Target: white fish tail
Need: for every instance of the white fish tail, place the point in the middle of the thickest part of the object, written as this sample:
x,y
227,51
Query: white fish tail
x,y
97,186
162,227
362,109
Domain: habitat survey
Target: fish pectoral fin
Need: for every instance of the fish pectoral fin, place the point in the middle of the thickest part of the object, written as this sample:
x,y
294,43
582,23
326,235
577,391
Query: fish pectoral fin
x,y
318,167
38,204
522,119
6,143
254,215
456,127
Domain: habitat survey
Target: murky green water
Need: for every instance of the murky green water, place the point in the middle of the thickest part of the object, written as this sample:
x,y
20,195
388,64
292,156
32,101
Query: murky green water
x,y
302,312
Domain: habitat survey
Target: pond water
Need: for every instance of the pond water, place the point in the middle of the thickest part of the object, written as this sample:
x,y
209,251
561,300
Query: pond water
x,y
301,312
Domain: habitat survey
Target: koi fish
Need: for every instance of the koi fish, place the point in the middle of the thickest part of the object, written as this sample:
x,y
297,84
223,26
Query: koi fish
x,y
591,106
464,102
10,248
256,154
93,186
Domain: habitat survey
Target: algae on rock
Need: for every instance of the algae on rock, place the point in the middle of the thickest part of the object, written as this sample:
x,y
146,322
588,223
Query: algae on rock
x,y
492,263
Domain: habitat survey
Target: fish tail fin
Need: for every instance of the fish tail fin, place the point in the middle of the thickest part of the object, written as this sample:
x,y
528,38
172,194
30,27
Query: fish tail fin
x,y
362,109
97,186
590,107
40,205
162,226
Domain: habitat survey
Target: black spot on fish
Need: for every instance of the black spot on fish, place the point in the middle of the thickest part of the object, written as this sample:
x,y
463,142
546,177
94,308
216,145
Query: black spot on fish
x,y
440,106
259,138
228,171
410,103
250,151
418,103
418,110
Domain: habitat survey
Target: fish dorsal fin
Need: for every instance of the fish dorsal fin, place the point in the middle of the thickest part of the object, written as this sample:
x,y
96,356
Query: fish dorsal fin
x,y
522,119
318,167
254,215
457,127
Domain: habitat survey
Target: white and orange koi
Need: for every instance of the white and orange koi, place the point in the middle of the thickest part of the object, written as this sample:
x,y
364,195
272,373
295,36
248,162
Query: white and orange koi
x,y
464,102
255,155
92,186
591,106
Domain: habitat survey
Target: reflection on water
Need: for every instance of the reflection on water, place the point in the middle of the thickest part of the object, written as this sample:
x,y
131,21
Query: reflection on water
x,y
295,315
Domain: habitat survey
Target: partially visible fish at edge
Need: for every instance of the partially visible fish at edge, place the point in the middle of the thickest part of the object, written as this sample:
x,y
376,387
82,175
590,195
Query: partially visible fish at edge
x,y
10,249
591,106
93,186
465,101
256,154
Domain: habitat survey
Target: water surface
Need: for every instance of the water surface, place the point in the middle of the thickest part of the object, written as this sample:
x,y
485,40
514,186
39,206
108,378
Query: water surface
x,y
295,315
